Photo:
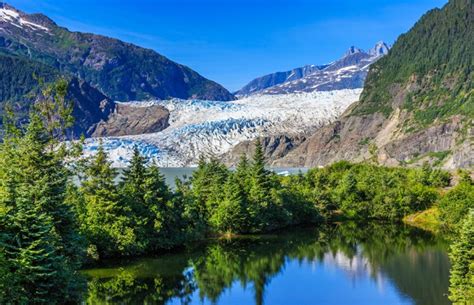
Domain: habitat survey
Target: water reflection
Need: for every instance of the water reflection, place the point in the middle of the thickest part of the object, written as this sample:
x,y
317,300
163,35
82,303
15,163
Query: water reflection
x,y
337,264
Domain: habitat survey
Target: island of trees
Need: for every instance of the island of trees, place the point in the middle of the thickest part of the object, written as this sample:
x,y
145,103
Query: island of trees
x,y
60,210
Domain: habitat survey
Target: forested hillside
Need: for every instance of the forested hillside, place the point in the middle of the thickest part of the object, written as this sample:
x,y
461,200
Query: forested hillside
x,y
432,66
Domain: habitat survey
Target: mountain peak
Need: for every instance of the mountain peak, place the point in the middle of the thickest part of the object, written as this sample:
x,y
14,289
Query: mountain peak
x,y
17,18
380,48
353,50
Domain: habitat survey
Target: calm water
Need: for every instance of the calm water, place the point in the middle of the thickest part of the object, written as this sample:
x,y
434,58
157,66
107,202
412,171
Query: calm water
x,y
337,264
171,173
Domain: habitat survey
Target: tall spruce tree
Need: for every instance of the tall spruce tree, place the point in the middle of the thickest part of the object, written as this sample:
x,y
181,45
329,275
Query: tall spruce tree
x,y
132,199
107,224
166,224
261,181
260,191
207,182
42,274
43,176
244,174
38,228
231,214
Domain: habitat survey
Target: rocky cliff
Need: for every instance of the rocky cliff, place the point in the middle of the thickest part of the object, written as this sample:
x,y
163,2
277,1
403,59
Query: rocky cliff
x,y
126,119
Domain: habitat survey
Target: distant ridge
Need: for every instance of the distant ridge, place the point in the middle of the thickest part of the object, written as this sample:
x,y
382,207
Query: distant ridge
x,y
120,70
348,72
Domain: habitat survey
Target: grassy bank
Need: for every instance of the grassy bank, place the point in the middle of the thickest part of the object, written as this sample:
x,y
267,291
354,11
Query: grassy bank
x,y
427,220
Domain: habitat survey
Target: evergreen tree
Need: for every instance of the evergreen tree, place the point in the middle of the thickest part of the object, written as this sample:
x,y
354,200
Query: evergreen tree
x,y
42,274
43,176
107,223
165,224
259,196
244,175
207,182
462,257
132,199
231,214
39,230
134,177
261,182
194,222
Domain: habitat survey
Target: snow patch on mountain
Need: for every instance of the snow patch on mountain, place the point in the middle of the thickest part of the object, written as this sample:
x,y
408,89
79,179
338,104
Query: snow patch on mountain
x,y
15,19
348,72
212,128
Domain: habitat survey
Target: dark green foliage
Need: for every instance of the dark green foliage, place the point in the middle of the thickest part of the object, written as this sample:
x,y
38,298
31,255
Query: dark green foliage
x,y
436,58
231,215
369,191
18,77
156,217
43,274
107,224
462,258
456,203
48,224
251,199
39,235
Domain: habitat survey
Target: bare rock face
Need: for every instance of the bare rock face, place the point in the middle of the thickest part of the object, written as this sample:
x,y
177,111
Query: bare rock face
x,y
128,119
449,144
275,147
334,142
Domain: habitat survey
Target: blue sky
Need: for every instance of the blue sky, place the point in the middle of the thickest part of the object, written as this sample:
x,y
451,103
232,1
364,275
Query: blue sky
x,y
234,41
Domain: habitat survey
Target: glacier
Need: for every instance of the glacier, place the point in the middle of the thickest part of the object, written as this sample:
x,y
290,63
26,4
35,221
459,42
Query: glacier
x,y
212,128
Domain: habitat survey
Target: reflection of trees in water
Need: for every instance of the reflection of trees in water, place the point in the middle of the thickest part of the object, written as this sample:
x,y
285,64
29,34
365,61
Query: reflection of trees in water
x,y
406,256
153,281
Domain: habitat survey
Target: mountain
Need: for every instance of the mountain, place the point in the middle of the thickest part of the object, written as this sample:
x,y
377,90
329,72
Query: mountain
x,y
417,104
121,71
19,85
277,78
95,114
349,72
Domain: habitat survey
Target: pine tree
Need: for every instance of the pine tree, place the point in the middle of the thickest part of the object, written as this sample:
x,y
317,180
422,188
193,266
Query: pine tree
x,y
39,229
243,172
42,274
133,179
207,182
132,199
261,182
260,191
166,223
230,216
43,176
462,257
107,226
194,222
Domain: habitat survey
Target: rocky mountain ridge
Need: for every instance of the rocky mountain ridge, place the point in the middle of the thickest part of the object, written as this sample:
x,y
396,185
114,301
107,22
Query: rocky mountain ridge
x,y
120,70
348,72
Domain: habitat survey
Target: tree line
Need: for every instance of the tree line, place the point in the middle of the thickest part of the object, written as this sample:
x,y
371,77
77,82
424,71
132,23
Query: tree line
x,y
60,210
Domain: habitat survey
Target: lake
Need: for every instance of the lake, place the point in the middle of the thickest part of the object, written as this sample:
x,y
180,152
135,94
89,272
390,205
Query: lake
x,y
338,264
171,173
